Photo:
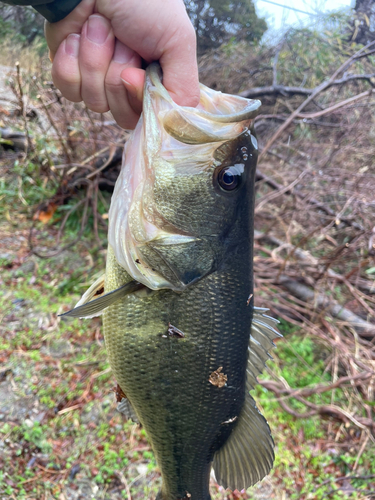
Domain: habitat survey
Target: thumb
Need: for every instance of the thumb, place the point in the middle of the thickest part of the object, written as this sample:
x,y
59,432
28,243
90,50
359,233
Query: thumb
x,y
180,69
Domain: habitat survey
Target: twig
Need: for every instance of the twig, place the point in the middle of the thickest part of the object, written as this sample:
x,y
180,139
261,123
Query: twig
x,y
338,105
318,389
322,301
289,91
312,201
320,88
325,410
56,128
22,106
122,478
285,189
112,150
361,450
343,478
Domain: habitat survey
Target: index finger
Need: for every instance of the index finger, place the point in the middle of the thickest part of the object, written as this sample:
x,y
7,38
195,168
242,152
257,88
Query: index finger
x,y
57,32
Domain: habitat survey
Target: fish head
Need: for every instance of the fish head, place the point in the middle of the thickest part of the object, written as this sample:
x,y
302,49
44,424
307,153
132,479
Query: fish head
x,y
183,200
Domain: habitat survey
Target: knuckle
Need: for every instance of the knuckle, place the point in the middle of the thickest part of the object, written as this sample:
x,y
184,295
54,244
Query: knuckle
x,y
98,107
93,62
114,86
63,78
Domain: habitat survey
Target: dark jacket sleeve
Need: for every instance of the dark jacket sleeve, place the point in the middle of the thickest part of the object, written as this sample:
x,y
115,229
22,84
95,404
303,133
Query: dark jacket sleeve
x,y
52,10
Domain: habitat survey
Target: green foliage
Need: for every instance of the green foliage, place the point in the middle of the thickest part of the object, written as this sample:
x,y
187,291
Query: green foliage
x,y
34,433
308,55
28,180
22,24
300,363
219,21
110,463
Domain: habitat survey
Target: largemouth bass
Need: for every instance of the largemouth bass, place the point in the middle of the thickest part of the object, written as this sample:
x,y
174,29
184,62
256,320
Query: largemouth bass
x,y
184,340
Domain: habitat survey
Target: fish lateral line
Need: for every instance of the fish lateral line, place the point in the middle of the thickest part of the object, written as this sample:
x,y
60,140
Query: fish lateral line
x,y
96,306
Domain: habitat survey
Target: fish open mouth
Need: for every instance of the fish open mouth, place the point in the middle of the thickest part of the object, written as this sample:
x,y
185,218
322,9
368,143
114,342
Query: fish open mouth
x,y
146,244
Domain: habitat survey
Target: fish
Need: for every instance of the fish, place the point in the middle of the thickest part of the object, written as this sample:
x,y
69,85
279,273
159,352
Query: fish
x,y
184,339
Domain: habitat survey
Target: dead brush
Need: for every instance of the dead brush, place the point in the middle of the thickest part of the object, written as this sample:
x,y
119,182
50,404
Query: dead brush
x,y
73,148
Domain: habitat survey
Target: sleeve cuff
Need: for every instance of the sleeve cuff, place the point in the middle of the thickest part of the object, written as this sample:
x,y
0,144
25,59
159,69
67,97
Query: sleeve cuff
x,y
57,9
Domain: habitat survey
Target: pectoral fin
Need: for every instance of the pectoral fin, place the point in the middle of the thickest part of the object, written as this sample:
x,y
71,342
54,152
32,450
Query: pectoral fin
x,y
95,291
180,262
247,456
96,307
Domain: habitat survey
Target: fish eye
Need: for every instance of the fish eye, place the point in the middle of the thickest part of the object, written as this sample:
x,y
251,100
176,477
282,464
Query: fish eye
x,y
229,178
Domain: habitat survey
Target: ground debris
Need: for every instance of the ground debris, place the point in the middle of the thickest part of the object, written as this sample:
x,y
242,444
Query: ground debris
x,y
119,393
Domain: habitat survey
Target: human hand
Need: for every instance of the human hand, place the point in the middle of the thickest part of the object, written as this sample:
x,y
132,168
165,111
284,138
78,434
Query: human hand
x,y
97,50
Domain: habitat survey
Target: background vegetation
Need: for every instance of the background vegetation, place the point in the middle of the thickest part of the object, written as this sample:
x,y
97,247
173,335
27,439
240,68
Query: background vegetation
x,y
60,434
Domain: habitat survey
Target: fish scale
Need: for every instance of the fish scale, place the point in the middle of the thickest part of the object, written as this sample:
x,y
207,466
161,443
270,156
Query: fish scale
x,y
167,379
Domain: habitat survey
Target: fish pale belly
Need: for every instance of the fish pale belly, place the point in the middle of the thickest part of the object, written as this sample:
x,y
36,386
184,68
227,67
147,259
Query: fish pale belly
x,y
167,377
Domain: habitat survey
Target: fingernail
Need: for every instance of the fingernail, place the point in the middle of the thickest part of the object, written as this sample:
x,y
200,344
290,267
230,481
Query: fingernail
x,y
97,29
122,53
129,87
72,45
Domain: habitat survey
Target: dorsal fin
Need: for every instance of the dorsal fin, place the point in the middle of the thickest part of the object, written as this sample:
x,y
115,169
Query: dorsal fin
x,y
95,307
263,332
247,456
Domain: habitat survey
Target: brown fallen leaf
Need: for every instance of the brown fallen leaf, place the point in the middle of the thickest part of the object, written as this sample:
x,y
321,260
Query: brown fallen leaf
x,y
46,214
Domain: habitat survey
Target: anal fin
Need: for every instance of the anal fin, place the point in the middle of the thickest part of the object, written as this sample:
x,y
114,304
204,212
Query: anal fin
x,y
126,409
